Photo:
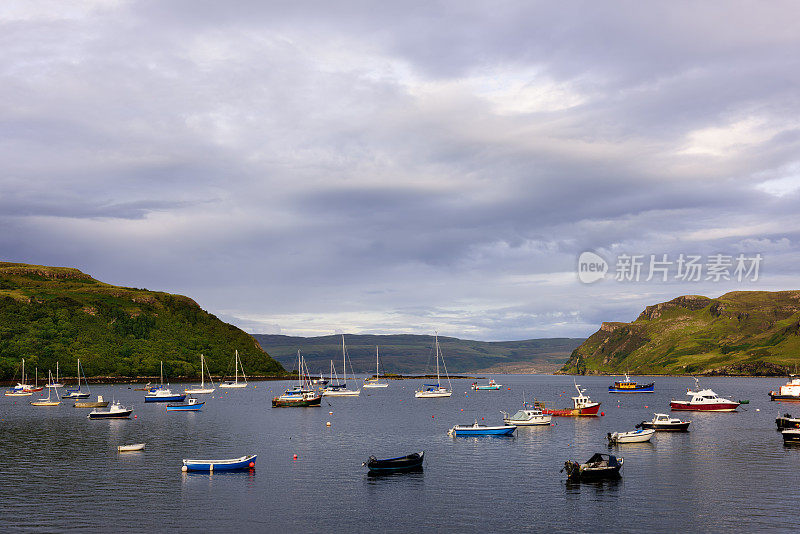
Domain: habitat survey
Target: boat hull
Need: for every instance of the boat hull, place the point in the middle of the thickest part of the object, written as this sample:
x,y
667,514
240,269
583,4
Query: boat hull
x,y
787,421
93,404
688,406
165,398
791,436
245,463
587,411
75,395
784,398
379,385
18,393
395,465
538,421
45,403
432,394
486,431
199,390
131,448
667,427
486,388
185,408
125,414
643,388
341,393
277,402
234,385
639,436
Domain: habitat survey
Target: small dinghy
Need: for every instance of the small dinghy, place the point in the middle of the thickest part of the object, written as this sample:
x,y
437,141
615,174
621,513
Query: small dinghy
x,y
191,405
663,422
116,411
234,464
131,448
634,436
599,466
481,430
395,465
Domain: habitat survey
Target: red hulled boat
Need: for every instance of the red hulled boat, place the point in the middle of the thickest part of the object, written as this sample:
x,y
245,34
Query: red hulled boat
x,y
582,405
704,400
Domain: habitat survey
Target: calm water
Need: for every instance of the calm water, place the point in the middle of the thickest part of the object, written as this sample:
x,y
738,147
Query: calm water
x,y
60,471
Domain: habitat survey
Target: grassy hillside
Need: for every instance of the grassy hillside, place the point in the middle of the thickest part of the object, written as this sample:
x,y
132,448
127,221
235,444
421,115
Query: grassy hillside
x,y
743,332
414,354
50,314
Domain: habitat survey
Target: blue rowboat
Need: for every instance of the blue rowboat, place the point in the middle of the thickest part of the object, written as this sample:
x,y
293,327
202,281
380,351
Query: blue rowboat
x,y
234,464
191,406
481,430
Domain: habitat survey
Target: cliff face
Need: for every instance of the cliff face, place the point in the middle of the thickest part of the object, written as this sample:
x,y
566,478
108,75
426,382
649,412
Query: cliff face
x,y
742,332
50,314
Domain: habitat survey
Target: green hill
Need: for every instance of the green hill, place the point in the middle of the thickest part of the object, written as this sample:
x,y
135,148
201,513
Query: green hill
x,y
413,354
739,333
50,314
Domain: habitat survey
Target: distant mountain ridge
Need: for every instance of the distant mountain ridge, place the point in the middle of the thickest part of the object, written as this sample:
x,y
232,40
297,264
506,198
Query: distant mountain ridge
x,y
60,314
739,333
413,354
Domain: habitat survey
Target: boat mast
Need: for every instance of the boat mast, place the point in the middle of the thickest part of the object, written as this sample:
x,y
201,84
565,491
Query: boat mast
x,y
202,376
377,372
236,367
436,346
344,363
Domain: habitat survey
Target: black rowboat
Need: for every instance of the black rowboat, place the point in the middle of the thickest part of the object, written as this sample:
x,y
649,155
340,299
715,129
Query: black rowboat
x,y
599,466
394,465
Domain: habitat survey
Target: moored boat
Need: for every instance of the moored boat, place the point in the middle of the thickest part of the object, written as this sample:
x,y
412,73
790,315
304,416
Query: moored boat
x,y
340,388
663,422
115,411
599,466
202,389
233,464
704,400
527,417
633,436
131,448
303,394
376,382
582,405
787,392
629,386
476,429
394,465
791,436
77,393
787,421
432,391
48,401
492,385
163,394
191,405
99,403
237,364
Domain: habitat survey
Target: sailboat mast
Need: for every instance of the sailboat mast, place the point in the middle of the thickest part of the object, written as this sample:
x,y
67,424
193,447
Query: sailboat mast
x,y
236,367
344,362
202,376
436,343
377,372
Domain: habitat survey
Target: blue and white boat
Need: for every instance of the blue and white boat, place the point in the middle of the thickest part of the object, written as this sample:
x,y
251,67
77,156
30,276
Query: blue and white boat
x,y
629,386
163,394
481,430
191,406
76,393
234,464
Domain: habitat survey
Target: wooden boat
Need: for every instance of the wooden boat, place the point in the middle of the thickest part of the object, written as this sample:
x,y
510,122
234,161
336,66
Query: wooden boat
x,y
376,382
302,395
237,363
481,430
99,403
163,394
191,405
664,422
599,466
394,465
131,448
633,436
704,400
629,386
788,392
202,388
78,393
787,421
115,411
492,385
582,406
528,416
48,401
234,464
433,391
791,436
340,390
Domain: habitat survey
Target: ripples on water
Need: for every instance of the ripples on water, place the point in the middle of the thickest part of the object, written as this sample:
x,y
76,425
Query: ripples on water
x,y
60,471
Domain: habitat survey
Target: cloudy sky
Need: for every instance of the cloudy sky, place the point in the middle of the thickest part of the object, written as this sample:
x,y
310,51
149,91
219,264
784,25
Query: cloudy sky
x,y
316,167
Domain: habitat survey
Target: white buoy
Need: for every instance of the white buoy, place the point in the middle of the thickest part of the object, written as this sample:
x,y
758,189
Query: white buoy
x,y
758,409
184,469
328,423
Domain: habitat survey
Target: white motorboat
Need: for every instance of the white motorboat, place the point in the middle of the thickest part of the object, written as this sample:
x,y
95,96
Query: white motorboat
x,y
431,391
115,411
527,417
662,421
634,436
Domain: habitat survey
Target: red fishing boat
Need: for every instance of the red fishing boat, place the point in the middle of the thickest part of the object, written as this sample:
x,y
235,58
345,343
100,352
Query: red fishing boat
x,y
582,405
704,400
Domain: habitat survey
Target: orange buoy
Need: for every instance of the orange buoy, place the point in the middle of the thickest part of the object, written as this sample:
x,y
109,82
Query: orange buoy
x,y
135,416
603,413
252,465
294,457
431,417
462,409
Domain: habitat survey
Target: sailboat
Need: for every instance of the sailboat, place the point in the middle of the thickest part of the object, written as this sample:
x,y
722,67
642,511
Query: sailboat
x,y
202,388
162,394
55,384
21,389
236,384
301,395
375,382
47,401
36,387
340,390
77,393
429,391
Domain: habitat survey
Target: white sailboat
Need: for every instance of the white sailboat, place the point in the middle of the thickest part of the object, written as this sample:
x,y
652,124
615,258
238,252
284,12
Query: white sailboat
x,y
55,384
430,391
375,382
77,393
47,401
340,390
22,389
236,384
202,388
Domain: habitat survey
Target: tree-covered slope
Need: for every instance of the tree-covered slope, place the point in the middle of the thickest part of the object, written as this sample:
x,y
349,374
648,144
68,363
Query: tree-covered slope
x,y
50,314
407,353
743,332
